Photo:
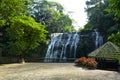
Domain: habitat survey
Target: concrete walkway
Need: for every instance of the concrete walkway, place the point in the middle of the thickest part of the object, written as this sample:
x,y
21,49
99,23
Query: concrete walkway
x,y
53,71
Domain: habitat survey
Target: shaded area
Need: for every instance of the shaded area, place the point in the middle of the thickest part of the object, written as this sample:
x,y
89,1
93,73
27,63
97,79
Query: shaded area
x,y
107,56
108,64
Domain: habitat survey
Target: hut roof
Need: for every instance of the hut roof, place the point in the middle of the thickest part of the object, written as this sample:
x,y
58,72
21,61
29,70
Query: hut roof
x,y
108,50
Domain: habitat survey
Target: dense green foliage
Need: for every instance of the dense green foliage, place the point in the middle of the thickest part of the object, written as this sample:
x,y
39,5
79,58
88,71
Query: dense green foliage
x,y
104,15
115,38
20,32
2,23
24,25
99,18
51,14
114,6
12,8
24,34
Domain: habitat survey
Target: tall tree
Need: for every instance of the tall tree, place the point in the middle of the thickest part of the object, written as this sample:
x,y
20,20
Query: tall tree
x,y
12,8
24,34
8,10
114,6
98,17
115,38
51,14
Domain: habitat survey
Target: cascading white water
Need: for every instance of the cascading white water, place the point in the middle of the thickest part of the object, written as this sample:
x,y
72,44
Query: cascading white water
x,y
63,53
55,40
57,49
74,43
63,46
98,39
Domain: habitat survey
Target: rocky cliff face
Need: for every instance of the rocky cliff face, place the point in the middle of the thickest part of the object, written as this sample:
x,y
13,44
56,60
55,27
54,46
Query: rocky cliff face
x,y
65,46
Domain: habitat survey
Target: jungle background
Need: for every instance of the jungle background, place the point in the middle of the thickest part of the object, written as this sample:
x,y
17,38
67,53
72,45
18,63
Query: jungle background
x,y
26,25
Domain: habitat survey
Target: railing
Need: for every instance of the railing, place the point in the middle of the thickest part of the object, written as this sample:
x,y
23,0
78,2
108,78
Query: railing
x,y
59,60
28,59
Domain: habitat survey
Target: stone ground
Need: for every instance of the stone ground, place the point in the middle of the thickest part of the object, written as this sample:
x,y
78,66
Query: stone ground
x,y
53,71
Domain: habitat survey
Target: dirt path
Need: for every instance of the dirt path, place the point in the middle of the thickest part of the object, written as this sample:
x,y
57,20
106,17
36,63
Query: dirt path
x,y
53,71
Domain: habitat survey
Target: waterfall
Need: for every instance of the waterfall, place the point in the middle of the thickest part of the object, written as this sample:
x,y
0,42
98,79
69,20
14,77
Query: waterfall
x,y
98,39
63,53
59,45
74,44
65,46
55,40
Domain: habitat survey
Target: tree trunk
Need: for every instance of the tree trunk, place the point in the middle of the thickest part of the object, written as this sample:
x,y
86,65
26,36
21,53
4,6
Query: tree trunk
x,y
22,60
0,52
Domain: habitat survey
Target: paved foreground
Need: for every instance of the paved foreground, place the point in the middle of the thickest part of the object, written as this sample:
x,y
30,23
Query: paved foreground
x,y
53,71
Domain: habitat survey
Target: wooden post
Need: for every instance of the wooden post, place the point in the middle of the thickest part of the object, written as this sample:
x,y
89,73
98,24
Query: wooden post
x,y
0,52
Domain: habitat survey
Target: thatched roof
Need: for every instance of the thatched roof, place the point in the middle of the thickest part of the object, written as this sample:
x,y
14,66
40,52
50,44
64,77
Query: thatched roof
x,y
108,50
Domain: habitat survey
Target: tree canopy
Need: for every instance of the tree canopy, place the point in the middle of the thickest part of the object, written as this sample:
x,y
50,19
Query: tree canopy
x,y
25,34
52,15
100,18
104,15
24,24
114,6
12,8
21,32
115,38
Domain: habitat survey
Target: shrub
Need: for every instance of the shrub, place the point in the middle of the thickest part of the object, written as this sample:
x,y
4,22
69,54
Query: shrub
x,y
91,63
86,62
81,61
